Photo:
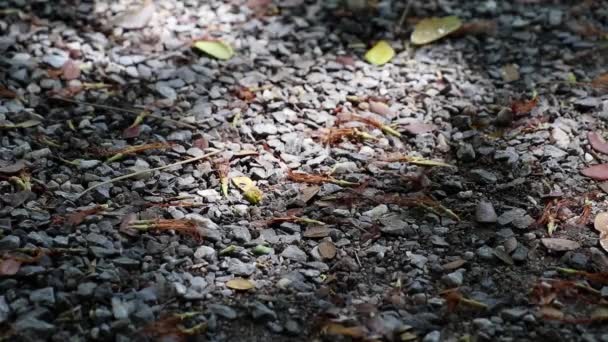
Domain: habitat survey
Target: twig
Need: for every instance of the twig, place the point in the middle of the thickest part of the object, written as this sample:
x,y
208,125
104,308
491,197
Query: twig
x,y
401,21
126,110
358,261
149,170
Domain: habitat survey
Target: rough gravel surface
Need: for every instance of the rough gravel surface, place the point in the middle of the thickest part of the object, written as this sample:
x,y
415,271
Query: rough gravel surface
x,y
402,252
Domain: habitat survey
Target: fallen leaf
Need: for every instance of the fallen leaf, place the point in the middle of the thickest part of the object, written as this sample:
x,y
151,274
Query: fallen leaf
x,y
71,70
551,312
597,172
316,232
381,53
523,107
432,29
560,245
251,192
261,250
240,284
597,142
215,48
138,17
419,128
600,82
9,267
601,225
380,108
338,329
7,93
478,27
327,250
14,168
131,132
509,73
77,217
345,60
452,265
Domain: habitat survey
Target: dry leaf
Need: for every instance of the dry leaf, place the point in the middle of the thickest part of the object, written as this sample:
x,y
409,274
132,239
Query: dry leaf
x,y
452,265
345,60
551,312
597,172
215,48
7,93
560,245
240,284
9,266
70,70
137,18
14,168
380,108
24,124
338,329
381,53
327,250
600,82
251,192
597,142
316,232
478,27
419,128
509,73
601,225
432,29
131,132
523,107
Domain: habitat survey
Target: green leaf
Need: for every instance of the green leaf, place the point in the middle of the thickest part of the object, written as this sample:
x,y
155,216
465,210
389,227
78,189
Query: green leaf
x,y
215,48
431,29
379,54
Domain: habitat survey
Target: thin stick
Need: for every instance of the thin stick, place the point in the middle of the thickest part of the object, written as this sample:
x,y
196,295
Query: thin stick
x,y
149,170
401,21
126,110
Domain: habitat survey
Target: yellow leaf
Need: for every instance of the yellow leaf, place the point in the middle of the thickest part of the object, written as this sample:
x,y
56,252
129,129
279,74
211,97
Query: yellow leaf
x,y
339,329
380,53
431,29
240,284
250,191
215,48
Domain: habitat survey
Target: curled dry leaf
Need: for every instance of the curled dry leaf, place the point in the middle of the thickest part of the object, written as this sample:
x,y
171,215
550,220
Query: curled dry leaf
x,y
240,284
327,250
9,266
597,172
560,245
419,128
381,53
600,82
597,142
601,225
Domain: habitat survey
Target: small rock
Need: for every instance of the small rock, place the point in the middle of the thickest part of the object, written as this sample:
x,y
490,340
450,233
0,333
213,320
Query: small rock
x,y
29,324
483,177
119,309
433,336
466,152
560,245
43,296
453,279
237,267
377,211
485,213
10,242
261,312
5,310
513,314
222,311
205,252
264,129
294,253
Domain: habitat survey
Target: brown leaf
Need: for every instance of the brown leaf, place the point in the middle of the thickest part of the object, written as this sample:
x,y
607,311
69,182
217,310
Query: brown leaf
x,y
551,312
327,250
338,329
131,132
597,172
316,232
71,70
597,142
452,265
345,60
200,143
76,218
523,107
560,245
137,18
600,82
7,93
478,27
380,108
419,128
14,168
244,94
9,266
